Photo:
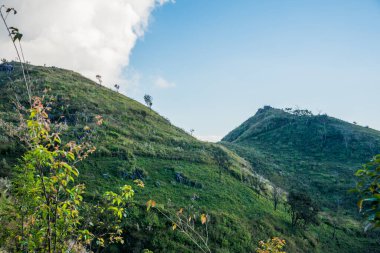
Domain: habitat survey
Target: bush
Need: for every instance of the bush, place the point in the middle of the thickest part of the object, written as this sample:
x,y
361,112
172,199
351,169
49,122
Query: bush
x,y
273,245
303,209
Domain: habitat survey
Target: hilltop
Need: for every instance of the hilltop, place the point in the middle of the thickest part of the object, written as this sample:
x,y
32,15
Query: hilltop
x,y
299,150
178,170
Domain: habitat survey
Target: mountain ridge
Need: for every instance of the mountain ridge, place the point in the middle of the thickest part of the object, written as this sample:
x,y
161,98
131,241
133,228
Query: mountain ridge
x,y
301,145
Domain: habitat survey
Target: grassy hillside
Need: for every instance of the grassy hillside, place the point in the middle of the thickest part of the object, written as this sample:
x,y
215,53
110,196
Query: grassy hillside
x,y
135,141
316,153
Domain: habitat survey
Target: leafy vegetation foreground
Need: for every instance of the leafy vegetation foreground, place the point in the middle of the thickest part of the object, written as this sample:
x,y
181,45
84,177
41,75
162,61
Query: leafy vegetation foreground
x,y
182,176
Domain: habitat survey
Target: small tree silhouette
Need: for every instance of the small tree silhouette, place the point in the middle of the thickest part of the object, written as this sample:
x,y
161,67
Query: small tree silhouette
x,y
148,100
117,87
99,77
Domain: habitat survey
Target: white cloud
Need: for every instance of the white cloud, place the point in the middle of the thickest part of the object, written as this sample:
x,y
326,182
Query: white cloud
x,y
162,83
210,138
132,82
89,36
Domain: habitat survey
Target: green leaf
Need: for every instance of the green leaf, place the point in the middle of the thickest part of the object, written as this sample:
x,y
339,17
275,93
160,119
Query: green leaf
x,y
70,169
371,199
150,203
360,204
11,9
57,139
71,156
359,172
17,36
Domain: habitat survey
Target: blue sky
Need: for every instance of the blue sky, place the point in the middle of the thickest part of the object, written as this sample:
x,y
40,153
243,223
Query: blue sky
x,y
209,65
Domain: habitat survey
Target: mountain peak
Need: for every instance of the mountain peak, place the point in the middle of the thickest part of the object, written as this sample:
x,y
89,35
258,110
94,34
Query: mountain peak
x,y
302,130
294,148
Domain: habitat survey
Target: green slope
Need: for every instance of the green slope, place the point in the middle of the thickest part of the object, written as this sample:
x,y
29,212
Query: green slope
x,y
135,139
318,154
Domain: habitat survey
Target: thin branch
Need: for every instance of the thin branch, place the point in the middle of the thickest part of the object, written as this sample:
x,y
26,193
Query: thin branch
x,y
48,204
17,51
183,230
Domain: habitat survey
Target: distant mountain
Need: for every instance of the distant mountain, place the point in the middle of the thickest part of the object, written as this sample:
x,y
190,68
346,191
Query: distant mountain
x,y
180,171
314,153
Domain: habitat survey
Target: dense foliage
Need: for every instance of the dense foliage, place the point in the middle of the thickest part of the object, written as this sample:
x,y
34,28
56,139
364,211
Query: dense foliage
x,y
302,209
368,188
43,210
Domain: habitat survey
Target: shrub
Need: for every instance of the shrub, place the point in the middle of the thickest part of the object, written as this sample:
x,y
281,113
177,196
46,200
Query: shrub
x,y
273,245
303,209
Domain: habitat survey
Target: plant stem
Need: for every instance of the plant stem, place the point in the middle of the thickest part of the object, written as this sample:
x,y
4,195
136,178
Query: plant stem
x,y
48,212
18,53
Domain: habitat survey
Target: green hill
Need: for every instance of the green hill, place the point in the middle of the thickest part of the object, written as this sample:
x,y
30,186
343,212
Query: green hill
x,y
135,141
298,150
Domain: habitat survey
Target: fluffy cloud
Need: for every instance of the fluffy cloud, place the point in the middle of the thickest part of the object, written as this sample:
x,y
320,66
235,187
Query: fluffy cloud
x,y
162,83
89,36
